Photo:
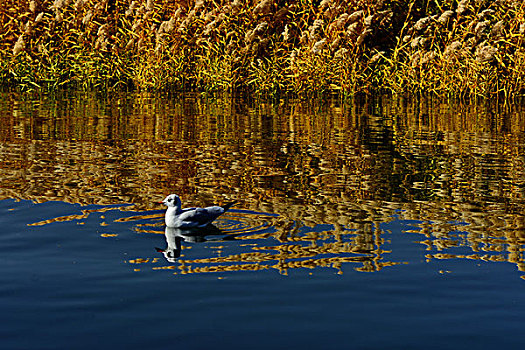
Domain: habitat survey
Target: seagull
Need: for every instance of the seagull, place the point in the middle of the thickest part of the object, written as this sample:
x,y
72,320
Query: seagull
x,y
177,217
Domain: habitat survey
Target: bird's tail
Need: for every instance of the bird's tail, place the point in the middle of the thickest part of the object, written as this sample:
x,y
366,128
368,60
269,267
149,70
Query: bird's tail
x,y
228,205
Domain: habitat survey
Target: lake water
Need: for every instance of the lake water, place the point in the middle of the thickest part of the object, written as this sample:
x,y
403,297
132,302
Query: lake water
x,y
380,223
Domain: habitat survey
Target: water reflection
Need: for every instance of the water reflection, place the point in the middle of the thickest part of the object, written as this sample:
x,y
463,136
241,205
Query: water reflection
x,y
333,172
175,237
297,247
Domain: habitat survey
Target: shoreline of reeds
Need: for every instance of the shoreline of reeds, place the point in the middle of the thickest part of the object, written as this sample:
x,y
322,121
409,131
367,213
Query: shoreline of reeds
x,y
466,48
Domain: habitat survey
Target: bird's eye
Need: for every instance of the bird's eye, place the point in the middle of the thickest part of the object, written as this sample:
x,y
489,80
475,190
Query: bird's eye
x,y
169,200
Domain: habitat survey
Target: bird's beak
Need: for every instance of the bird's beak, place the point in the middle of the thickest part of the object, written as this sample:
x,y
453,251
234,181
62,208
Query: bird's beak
x,y
161,202
159,250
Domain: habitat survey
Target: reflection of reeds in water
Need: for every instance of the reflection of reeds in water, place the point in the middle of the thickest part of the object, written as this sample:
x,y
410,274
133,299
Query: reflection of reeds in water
x,y
85,214
489,236
347,165
280,247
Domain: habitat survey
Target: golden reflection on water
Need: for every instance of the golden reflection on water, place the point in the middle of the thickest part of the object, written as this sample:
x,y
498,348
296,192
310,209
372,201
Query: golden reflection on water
x,y
350,165
287,249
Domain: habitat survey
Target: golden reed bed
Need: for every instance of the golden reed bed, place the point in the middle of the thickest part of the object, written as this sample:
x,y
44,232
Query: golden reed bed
x,y
449,48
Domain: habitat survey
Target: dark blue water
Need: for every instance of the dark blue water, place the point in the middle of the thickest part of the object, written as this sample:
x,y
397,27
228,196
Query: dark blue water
x,y
76,284
372,224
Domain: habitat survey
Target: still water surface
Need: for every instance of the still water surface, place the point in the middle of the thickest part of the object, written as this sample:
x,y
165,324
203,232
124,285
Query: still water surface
x,y
374,224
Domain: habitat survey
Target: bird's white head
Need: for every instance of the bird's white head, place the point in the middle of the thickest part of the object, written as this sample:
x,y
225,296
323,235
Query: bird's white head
x,y
172,201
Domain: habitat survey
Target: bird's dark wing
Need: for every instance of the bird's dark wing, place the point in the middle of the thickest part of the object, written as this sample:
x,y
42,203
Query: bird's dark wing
x,y
201,216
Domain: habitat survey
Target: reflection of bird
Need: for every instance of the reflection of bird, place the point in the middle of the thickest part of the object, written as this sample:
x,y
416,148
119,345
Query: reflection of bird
x,y
175,237
177,217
